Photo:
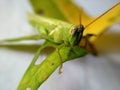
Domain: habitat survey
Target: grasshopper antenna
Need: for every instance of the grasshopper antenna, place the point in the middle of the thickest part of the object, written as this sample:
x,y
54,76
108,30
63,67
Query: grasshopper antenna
x,y
101,15
80,18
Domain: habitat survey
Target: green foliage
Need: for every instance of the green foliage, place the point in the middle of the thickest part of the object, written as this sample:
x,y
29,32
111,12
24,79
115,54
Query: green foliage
x,y
37,74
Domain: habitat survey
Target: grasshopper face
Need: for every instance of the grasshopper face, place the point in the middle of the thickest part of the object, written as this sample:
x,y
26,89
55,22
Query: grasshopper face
x,y
76,34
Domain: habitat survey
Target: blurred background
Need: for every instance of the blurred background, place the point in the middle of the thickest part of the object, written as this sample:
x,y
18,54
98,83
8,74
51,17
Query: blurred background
x,y
86,73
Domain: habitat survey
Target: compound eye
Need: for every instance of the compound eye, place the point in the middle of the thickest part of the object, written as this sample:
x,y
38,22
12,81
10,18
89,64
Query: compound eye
x,y
72,31
82,27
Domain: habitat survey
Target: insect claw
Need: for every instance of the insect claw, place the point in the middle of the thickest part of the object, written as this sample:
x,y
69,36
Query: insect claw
x,y
61,62
60,69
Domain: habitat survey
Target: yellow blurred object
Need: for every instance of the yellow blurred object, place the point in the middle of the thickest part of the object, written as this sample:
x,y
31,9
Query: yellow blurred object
x,y
99,25
72,12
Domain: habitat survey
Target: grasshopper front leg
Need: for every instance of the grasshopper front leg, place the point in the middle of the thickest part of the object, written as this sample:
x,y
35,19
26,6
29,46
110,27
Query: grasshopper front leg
x,y
61,60
58,47
88,45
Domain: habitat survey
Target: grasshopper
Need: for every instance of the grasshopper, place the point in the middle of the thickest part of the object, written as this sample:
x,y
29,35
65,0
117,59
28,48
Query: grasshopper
x,y
58,36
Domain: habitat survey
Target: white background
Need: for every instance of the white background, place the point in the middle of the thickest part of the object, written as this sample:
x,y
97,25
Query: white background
x,y
87,73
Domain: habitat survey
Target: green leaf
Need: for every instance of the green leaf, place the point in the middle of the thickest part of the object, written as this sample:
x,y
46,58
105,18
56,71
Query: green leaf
x,y
37,74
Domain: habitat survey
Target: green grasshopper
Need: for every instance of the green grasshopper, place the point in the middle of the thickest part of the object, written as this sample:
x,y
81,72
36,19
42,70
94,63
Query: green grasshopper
x,y
52,30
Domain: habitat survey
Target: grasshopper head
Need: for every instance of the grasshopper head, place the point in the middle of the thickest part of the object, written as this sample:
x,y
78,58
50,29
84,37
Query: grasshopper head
x,y
76,34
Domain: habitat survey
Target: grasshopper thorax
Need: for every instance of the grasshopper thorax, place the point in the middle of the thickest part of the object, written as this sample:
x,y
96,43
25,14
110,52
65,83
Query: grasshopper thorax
x,y
76,34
